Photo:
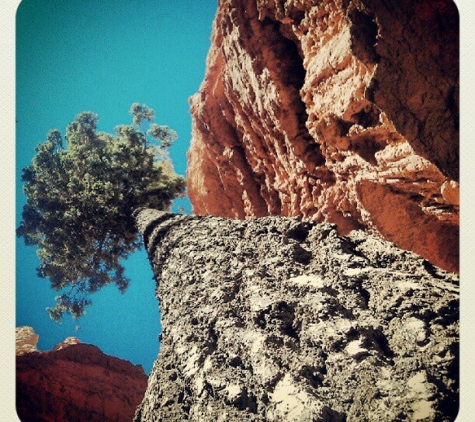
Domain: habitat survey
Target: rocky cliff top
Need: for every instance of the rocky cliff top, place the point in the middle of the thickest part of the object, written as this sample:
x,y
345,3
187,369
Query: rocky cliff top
x,y
74,382
26,340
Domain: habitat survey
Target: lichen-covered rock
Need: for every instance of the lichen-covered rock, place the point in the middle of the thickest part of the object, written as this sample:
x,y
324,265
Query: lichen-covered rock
x,y
343,111
277,319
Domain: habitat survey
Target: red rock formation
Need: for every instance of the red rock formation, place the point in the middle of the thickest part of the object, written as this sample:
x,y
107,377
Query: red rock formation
x,y
338,110
76,382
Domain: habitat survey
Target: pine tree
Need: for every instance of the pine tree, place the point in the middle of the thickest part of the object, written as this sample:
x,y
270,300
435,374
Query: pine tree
x,y
81,192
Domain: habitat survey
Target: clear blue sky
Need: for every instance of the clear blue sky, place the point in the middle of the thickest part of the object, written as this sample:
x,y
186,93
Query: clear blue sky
x,y
102,56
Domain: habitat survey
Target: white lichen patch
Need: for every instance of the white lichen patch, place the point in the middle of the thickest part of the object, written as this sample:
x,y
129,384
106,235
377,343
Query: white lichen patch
x,y
254,340
422,410
307,280
408,285
415,329
354,348
191,366
257,299
419,388
207,365
290,400
352,272
233,391
265,370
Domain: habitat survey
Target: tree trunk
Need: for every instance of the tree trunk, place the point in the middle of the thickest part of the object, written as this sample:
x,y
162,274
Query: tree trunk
x,y
278,319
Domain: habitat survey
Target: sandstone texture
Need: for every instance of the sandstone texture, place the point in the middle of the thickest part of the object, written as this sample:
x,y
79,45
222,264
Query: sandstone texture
x,y
341,111
74,382
278,319
26,340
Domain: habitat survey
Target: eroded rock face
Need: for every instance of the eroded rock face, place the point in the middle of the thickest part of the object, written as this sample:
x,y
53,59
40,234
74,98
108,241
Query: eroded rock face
x,y
275,319
343,111
75,382
26,340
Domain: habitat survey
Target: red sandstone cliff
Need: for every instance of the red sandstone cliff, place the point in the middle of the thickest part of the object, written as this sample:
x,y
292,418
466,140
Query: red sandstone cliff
x,y
337,110
74,382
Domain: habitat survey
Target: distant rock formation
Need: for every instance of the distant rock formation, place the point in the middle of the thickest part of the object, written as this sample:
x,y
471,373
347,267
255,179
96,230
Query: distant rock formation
x,y
343,111
26,340
66,343
275,319
74,382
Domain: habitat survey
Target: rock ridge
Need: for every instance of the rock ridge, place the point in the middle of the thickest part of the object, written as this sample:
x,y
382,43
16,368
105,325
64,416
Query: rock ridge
x,y
74,382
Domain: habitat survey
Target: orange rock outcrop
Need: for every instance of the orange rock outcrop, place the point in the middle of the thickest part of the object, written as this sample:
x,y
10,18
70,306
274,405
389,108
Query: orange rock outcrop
x,y
74,382
339,110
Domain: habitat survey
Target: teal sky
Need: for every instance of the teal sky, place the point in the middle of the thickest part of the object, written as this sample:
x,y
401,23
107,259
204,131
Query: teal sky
x,y
102,56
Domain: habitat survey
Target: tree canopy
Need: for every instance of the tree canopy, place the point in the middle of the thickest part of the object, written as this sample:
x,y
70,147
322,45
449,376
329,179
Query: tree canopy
x,y
81,191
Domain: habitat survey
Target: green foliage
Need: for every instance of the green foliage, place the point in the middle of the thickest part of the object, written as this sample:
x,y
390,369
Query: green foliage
x,y
141,112
80,200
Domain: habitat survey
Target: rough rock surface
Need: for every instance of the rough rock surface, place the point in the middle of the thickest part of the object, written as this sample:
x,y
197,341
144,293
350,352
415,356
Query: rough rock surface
x,y
26,340
275,319
75,382
343,111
